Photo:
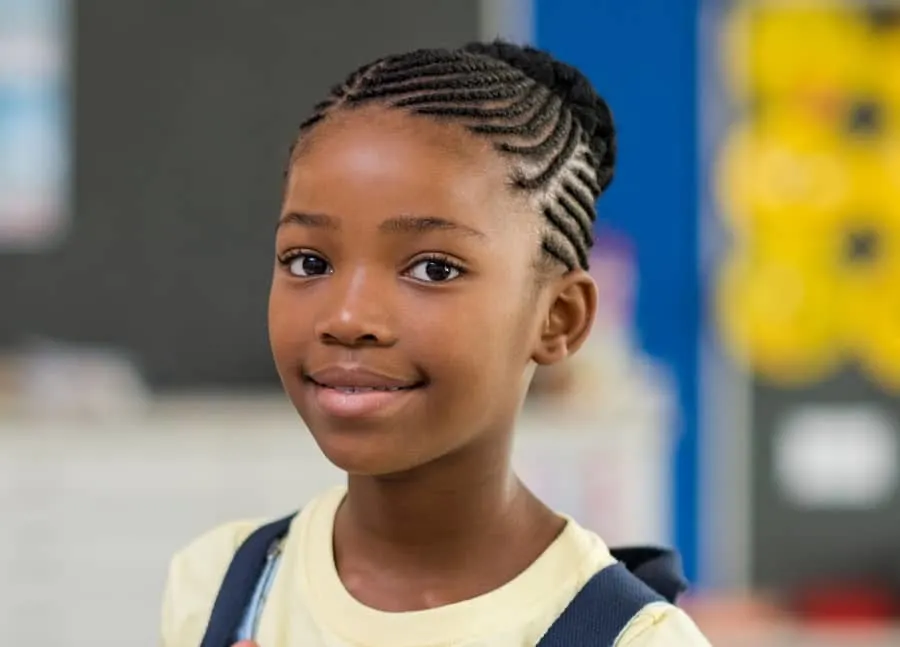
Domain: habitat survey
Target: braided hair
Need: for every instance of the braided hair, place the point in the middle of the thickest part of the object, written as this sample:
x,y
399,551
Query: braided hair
x,y
541,114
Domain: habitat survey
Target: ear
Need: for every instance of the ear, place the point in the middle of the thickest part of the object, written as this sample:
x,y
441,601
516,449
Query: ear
x,y
569,318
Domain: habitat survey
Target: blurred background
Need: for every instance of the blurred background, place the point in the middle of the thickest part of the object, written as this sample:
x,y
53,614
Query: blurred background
x,y
740,398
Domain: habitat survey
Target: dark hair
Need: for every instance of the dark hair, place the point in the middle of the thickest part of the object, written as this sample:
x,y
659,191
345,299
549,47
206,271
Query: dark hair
x,y
539,112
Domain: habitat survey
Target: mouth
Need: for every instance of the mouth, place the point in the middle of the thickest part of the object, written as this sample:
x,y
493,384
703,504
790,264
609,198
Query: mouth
x,y
354,392
357,389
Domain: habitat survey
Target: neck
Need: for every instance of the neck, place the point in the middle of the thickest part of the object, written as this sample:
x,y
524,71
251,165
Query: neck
x,y
438,514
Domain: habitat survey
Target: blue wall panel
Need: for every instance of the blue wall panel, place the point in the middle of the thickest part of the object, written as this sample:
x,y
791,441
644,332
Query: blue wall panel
x,y
641,55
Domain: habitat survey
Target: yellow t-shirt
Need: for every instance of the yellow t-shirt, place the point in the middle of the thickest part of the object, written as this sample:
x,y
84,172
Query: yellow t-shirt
x,y
308,605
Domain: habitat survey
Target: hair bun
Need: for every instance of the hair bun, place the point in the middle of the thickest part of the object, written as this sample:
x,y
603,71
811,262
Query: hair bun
x,y
573,87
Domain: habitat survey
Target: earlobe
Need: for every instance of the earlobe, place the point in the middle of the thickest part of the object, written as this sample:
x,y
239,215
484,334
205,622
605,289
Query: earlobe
x,y
569,319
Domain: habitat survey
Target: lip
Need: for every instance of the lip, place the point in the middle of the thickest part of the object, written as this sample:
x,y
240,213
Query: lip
x,y
344,391
342,376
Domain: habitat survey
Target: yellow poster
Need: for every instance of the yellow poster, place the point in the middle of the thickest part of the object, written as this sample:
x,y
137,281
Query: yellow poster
x,y
808,185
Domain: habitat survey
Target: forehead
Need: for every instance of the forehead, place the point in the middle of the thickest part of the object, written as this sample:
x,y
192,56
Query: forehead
x,y
386,162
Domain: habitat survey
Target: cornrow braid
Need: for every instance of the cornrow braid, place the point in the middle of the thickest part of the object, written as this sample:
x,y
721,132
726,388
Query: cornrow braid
x,y
541,114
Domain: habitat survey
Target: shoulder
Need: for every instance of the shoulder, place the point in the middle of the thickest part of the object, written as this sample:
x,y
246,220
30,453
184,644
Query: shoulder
x,y
659,624
195,574
197,570
587,552
662,625
207,557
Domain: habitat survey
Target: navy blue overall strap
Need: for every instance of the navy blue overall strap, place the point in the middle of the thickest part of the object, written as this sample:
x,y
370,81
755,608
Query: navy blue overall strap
x,y
600,610
240,581
658,568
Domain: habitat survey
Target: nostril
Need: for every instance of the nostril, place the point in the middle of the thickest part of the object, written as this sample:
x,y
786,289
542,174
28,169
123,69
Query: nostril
x,y
367,339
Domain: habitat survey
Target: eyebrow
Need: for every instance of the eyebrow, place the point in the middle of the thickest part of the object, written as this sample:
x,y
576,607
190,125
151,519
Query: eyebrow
x,y
424,224
311,220
399,224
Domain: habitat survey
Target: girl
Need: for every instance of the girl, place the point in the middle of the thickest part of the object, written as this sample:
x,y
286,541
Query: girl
x,y
430,253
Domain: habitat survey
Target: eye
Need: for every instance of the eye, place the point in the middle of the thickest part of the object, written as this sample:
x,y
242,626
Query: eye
x,y
305,264
435,270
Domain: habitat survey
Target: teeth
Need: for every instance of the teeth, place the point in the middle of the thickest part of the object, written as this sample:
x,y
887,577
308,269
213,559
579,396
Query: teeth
x,y
365,389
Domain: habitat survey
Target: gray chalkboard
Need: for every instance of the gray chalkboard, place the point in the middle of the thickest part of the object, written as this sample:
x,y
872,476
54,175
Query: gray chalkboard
x,y
183,114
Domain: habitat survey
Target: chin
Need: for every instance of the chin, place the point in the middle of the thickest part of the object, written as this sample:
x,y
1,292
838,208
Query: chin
x,y
359,461
364,450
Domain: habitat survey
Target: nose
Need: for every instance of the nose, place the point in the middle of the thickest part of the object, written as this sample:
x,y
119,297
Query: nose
x,y
356,315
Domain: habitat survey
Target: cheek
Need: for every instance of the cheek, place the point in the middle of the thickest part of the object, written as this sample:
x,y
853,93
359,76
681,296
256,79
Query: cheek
x,y
488,342
286,323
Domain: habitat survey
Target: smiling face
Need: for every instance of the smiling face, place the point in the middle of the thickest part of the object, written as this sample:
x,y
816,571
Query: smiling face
x,y
404,313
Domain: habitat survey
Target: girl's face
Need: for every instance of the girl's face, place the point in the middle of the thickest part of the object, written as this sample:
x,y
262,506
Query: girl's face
x,y
404,312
